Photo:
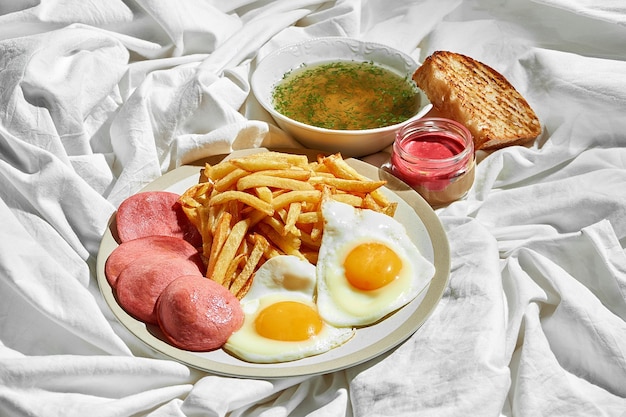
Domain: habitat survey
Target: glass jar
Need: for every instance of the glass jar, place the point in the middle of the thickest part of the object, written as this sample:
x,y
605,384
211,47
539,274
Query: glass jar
x,y
435,156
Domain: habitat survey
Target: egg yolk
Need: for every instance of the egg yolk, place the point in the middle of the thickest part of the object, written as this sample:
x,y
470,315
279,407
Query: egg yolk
x,y
288,321
370,266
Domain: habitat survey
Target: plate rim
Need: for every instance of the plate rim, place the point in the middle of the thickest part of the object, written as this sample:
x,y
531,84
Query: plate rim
x,y
434,290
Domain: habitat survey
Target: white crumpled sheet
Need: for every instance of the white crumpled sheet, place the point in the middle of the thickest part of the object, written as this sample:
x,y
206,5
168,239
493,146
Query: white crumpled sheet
x,y
99,98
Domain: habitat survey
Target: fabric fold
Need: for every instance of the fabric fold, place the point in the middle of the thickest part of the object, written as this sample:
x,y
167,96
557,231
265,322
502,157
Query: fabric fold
x,y
100,98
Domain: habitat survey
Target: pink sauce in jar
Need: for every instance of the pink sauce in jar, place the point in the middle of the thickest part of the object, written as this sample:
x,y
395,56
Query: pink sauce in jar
x,y
435,156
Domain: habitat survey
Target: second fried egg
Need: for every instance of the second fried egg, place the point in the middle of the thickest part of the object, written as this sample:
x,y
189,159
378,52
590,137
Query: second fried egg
x,y
367,267
281,321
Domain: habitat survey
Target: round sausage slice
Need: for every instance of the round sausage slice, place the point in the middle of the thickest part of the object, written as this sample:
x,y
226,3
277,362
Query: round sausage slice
x,y
157,246
155,213
140,284
198,314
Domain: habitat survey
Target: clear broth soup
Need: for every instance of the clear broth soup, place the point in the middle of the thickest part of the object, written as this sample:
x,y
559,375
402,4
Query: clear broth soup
x,y
346,95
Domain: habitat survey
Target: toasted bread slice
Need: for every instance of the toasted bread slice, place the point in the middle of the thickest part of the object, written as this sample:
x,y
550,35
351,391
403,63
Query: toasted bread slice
x,y
476,95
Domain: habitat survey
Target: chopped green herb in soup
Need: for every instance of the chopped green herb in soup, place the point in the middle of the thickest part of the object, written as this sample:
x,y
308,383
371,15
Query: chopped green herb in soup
x,y
346,95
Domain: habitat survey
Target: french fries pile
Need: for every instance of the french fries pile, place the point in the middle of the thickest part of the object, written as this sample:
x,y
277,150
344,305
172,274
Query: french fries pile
x,y
252,208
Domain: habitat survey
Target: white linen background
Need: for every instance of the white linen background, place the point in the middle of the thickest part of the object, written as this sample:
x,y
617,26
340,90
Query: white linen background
x,y
100,97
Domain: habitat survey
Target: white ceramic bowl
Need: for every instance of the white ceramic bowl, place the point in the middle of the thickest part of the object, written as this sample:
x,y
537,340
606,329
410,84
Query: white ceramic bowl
x,y
351,143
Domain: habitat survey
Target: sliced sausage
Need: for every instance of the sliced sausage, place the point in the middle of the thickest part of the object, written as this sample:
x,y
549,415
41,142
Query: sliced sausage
x,y
198,314
142,281
154,213
155,245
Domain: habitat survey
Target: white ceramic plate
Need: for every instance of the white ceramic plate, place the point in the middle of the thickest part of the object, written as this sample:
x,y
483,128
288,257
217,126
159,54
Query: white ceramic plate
x,y
424,229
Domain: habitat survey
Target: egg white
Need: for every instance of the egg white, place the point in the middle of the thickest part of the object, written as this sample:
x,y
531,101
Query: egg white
x,y
282,278
345,227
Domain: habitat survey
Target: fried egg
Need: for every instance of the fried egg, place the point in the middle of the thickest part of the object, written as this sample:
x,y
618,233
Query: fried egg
x,y
367,267
281,320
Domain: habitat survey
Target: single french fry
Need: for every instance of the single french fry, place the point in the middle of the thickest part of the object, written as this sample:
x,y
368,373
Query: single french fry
x,y
245,246
229,251
275,224
219,238
316,232
255,217
205,231
230,179
340,168
327,193
192,214
244,290
349,185
287,244
218,171
287,198
192,200
293,159
189,198
253,181
247,199
390,209
213,213
318,227
200,191
282,214
292,216
231,271
270,250
308,206
370,203
253,163
308,240
264,193
259,248
295,173
309,217
235,208
203,173
347,198
318,167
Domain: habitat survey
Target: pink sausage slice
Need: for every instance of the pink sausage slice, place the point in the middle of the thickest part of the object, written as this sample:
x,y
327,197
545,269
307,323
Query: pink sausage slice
x,y
156,246
154,213
140,284
198,314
